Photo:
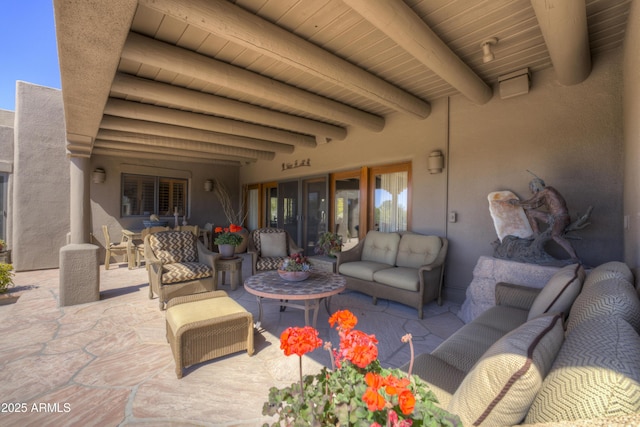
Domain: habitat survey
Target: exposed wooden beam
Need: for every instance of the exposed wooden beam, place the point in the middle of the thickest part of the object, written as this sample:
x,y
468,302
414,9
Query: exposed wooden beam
x,y
161,141
138,111
132,152
398,21
235,24
181,132
197,101
564,28
184,62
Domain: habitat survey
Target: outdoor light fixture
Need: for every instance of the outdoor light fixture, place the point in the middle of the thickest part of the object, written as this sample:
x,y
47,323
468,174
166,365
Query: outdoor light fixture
x,y
435,162
208,185
99,176
487,54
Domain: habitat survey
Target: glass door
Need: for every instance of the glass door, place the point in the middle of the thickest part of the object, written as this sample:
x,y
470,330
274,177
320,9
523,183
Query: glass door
x,y
347,207
315,212
288,208
3,206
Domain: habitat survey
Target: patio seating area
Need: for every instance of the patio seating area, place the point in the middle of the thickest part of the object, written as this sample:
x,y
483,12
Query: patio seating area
x,y
113,354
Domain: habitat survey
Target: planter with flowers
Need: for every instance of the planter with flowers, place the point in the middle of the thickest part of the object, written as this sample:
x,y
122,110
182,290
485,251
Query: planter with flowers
x,y
357,391
295,268
6,282
329,244
227,240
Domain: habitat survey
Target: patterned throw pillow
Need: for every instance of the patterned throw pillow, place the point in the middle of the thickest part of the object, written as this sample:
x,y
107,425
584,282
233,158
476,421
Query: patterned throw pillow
x,y
501,387
174,246
596,374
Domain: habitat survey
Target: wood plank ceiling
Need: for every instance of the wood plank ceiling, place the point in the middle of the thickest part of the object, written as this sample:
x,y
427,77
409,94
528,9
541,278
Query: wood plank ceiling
x,y
237,82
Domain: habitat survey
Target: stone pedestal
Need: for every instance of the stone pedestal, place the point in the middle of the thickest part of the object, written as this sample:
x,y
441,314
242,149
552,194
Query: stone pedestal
x,y
489,271
79,274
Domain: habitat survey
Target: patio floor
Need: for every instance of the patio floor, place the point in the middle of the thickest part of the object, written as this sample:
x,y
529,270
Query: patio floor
x,y
108,363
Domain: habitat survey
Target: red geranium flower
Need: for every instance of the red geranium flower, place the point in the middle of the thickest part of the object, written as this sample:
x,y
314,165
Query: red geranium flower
x,y
359,348
345,319
295,340
406,401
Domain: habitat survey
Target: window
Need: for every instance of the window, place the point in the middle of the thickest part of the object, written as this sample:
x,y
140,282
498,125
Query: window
x,y
143,195
390,188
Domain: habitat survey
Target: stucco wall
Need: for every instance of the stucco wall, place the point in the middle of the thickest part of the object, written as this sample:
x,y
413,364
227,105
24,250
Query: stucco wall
x,y
205,207
41,178
569,136
631,71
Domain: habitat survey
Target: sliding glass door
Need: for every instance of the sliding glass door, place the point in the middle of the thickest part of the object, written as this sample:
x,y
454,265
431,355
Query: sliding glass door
x,y
315,212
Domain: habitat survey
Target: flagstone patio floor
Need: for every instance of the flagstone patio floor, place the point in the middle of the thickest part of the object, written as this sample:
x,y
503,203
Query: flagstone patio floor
x,y
108,363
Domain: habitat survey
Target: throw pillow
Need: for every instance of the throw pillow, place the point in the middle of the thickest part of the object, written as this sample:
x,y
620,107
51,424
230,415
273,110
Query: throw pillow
x,y
273,244
559,292
502,385
596,375
608,270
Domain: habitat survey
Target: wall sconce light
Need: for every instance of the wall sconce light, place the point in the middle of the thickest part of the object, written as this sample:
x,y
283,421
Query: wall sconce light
x,y
487,54
99,176
435,162
208,185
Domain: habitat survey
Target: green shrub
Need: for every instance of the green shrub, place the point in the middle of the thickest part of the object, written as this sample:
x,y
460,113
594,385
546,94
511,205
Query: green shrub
x,y
6,277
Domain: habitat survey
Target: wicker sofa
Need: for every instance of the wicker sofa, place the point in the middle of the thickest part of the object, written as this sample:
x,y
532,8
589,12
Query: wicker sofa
x,y
406,268
526,361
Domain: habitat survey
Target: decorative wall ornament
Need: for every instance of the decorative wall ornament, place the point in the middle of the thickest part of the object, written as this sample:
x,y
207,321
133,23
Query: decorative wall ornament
x,y
296,164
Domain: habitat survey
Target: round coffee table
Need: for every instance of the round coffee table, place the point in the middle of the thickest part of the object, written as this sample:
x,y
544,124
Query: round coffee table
x,y
319,286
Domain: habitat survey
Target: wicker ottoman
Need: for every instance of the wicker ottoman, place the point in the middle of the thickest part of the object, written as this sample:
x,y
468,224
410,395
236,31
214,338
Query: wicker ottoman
x,y
207,325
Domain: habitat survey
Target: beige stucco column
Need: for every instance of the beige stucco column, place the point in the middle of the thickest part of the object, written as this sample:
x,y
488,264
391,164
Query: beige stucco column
x,y
79,260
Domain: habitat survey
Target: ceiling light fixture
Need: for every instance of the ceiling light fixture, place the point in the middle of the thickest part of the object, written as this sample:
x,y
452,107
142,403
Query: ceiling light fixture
x,y
487,54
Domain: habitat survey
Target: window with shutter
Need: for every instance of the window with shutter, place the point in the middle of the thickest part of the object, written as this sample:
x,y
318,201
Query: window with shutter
x,y
143,195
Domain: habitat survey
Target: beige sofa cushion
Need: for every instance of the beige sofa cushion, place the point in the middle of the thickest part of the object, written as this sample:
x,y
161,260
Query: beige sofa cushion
x,y
381,247
596,374
416,250
559,292
464,348
611,297
363,270
501,387
443,378
398,277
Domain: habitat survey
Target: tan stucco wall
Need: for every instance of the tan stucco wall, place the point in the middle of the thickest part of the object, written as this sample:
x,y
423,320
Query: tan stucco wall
x,y
40,204
205,207
569,136
631,71
6,118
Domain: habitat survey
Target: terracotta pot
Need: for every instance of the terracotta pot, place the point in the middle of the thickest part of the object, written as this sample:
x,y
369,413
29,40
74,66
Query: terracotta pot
x,y
294,276
242,247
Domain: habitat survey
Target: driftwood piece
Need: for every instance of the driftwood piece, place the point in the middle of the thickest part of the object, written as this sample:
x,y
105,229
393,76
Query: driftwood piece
x,y
531,250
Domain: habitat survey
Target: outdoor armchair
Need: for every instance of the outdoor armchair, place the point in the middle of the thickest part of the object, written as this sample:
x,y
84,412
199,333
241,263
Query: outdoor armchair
x,y
269,247
178,265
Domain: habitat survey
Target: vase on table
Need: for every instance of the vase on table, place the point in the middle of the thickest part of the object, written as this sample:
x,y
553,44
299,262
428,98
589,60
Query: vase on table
x,y
294,276
226,251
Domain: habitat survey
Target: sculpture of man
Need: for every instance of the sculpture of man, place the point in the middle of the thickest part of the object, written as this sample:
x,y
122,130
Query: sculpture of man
x,y
556,214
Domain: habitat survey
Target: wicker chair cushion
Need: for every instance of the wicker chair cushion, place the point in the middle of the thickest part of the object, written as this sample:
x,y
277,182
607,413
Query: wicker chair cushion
x,y
381,247
183,271
265,264
174,246
559,292
197,311
611,297
416,250
596,374
273,244
503,384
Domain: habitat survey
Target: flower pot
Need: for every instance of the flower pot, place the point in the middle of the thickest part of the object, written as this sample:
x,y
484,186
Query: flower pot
x,y
294,276
226,251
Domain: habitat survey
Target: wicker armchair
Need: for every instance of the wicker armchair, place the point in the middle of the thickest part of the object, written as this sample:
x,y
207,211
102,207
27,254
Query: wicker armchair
x,y
178,265
269,247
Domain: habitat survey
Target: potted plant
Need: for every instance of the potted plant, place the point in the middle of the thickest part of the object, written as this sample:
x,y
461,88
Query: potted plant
x,y
6,281
295,268
329,244
227,240
2,244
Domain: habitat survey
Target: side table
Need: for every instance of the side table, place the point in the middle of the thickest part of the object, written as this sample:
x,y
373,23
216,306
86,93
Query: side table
x,y
323,263
234,267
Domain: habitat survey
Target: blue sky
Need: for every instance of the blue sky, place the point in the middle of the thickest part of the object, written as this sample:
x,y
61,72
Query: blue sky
x,y
29,52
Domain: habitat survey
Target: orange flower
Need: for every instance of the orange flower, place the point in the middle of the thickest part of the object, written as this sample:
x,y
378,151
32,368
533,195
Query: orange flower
x,y
374,400
218,230
359,348
234,228
374,380
395,385
407,402
345,319
299,341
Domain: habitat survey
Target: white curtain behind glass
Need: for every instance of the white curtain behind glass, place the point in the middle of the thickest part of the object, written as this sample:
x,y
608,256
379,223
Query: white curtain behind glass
x,y
391,200
252,217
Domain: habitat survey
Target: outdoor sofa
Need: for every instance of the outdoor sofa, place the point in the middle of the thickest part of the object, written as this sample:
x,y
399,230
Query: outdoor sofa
x,y
403,267
560,355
